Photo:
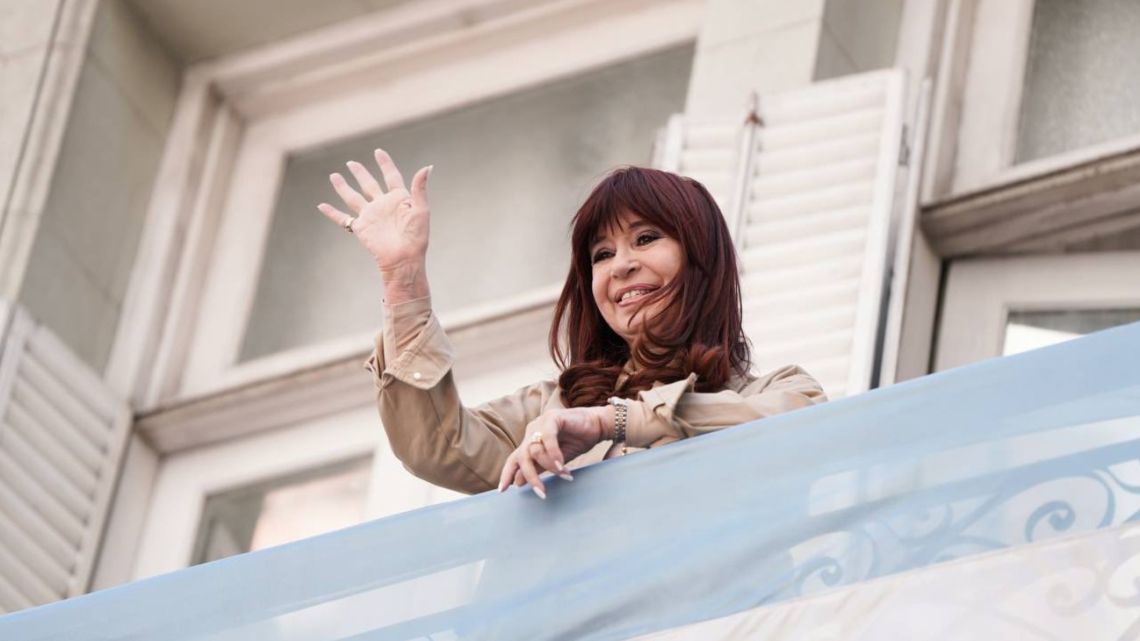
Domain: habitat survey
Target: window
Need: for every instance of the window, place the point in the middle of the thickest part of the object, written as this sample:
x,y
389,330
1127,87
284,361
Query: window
x,y
509,173
284,510
1027,87
1081,86
1026,330
266,288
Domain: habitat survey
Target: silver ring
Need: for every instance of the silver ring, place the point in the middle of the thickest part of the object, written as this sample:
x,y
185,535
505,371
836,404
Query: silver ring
x,y
348,224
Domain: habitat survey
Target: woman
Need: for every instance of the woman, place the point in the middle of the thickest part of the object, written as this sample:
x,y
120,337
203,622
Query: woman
x,y
654,350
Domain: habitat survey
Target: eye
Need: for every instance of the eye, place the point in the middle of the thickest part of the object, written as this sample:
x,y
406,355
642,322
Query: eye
x,y
647,237
601,255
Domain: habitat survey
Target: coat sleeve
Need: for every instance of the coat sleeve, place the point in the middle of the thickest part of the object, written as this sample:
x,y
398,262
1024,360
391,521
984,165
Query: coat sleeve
x,y
674,411
429,429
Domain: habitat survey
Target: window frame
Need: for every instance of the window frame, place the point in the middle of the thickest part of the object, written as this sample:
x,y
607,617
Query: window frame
x,y
194,282
980,293
980,100
976,199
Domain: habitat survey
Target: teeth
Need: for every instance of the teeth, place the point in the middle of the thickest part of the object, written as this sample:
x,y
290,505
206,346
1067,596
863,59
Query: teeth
x,y
634,293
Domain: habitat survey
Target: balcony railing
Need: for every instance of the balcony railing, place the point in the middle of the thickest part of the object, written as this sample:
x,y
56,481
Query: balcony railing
x,y
1005,493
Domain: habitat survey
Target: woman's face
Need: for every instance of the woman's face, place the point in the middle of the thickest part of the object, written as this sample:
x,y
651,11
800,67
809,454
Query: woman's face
x,y
630,260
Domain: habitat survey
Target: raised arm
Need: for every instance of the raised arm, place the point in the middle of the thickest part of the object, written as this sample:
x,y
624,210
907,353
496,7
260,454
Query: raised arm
x,y
430,430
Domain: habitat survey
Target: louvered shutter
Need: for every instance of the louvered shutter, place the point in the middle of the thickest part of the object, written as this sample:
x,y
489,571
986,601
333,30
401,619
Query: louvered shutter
x,y
808,185
62,435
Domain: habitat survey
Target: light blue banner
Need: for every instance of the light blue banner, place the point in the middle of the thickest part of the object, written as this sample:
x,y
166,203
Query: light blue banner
x,y
984,457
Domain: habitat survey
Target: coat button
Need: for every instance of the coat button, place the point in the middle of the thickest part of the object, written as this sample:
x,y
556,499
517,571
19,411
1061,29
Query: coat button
x,y
417,376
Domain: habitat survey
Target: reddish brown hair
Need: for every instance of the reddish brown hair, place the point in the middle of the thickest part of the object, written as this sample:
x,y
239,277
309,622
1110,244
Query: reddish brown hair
x,y
699,331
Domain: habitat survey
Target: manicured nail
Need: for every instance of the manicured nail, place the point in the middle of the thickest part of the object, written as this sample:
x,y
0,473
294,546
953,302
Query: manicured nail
x,y
430,167
539,492
563,473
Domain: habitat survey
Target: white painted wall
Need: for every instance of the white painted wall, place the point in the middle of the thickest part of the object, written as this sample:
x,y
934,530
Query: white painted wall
x,y
79,265
857,36
752,45
768,46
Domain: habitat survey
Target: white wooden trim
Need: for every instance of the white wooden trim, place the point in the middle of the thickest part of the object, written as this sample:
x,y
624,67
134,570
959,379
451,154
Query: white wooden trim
x,y
869,315
162,248
116,559
981,292
172,349
20,214
1046,210
907,224
925,31
230,282
946,110
552,50
744,169
991,96
1049,165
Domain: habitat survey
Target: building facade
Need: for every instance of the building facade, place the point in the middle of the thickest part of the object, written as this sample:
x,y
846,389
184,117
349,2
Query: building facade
x,y
914,184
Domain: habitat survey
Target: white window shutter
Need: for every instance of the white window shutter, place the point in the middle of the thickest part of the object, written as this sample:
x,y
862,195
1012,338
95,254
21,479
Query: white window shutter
x,y
809,188
62,436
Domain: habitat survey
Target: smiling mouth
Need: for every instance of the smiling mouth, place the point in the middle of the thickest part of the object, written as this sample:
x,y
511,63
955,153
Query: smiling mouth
x,y
634,294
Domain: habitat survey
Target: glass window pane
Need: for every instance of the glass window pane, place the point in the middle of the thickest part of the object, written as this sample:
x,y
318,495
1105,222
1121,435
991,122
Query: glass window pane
x,y
284,510
1081,85
1029,330
509,174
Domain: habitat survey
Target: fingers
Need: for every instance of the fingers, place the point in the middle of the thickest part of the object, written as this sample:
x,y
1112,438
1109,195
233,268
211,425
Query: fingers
x,y
510,469
520,468
350,196
364,178
419,187
530,473
548,455
392,176
334,214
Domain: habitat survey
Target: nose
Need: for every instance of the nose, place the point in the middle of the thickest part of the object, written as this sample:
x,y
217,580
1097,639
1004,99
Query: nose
x,y
623,265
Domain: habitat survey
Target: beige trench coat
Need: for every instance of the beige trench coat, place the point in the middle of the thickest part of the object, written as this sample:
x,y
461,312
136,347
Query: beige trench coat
x,y
440,440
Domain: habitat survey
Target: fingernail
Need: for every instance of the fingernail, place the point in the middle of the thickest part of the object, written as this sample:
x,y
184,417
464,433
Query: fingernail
x,y
502,488
561,467
430,167
539,492
565,476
